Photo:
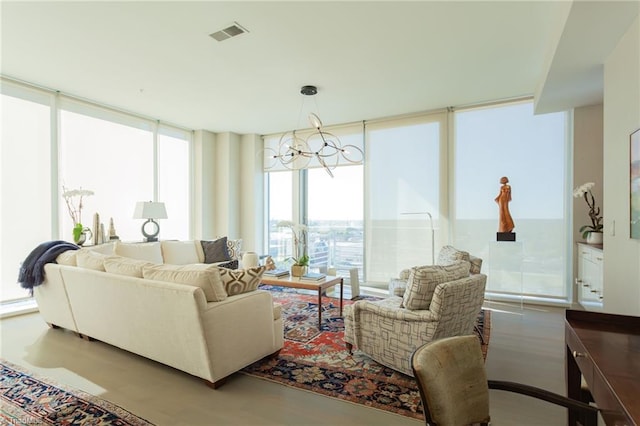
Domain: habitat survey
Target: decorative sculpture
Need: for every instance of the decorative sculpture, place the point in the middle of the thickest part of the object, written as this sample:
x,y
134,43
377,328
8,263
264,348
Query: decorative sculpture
x,y
112,231
270,264
506,225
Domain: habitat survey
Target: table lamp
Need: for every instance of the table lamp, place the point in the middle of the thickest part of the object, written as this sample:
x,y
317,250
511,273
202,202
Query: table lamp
x,y
150,210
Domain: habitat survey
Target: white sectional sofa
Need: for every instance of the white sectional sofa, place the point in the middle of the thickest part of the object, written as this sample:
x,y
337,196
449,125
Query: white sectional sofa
x,y
207,321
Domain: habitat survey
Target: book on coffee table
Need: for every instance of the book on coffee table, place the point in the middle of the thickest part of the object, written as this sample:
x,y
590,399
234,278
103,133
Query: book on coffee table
x,y
313,276
276,273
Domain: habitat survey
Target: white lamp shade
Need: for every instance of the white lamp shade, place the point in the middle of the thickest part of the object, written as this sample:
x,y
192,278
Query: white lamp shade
x,y
149,210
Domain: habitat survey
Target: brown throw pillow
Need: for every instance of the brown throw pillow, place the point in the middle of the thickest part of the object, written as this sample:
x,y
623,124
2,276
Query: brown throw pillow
x,y
241,280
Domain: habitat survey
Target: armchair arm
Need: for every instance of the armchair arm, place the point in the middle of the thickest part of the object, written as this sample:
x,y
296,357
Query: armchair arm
x,y
393,312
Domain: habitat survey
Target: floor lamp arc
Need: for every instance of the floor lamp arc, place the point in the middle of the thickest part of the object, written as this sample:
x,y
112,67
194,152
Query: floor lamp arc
x,y
433,256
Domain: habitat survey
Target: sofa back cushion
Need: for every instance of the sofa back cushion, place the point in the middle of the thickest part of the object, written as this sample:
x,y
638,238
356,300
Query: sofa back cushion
x,y
241,280
150,252
207,277
180,252
67,258
125,266
90,259
423,281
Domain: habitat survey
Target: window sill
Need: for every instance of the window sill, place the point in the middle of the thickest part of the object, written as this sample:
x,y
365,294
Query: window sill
x,y
18,307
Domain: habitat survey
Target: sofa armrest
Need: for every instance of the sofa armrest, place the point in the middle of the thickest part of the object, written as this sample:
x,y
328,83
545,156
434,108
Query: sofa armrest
x,y
241,330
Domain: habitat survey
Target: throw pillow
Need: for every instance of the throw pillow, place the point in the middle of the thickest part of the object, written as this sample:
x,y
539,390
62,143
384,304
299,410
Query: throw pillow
x,y
450,254
125,266
241,280
180,252
235,248
207,277
67,258
216,251
476,264
229,265
423,281
150,252
90,259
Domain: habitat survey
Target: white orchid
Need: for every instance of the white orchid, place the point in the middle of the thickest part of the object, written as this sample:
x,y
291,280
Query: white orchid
x,y
75,210
584,191
299,232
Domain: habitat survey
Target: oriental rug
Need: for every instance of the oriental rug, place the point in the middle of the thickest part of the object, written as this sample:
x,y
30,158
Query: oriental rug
x,y
28,399
318,361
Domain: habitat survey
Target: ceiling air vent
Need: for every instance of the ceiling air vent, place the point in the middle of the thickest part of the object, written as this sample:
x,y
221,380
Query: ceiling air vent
x,y
230,31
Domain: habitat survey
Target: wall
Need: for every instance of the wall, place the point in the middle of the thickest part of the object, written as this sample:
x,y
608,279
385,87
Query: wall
x,y
228,188
621,117
587,167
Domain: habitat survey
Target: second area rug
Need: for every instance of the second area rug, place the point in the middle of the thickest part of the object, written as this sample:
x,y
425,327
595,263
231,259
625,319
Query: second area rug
x,y
318,361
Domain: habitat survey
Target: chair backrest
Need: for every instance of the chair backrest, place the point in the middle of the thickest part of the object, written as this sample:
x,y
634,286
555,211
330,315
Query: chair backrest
x,y
452,381
456,305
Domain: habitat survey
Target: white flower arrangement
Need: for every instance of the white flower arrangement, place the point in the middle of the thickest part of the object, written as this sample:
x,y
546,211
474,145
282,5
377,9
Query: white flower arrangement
x,y
74,200
584,191
299,233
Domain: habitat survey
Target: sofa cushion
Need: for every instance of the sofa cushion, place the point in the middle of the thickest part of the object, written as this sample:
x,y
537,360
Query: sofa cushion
x,y
106,248
67,258
179,252
216,250
150,252
235,248
423,281
90,259
207,277
232,264
241,280
450,254
125,266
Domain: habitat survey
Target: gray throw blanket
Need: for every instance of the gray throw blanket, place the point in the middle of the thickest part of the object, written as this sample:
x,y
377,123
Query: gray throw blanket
x,y
32,269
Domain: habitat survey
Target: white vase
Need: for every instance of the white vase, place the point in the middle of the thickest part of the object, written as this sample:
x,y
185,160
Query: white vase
x,y
594,238
249,260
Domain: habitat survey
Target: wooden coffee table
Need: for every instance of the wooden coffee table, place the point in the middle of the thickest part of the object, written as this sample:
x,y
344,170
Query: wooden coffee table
x,y
319,285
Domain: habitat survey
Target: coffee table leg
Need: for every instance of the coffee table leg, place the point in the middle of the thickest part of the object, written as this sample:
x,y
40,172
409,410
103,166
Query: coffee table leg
x,y
319,308
341,289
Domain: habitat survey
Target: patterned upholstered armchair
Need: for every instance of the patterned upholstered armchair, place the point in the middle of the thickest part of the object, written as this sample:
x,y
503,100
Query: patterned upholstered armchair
x,y
440,301
447,255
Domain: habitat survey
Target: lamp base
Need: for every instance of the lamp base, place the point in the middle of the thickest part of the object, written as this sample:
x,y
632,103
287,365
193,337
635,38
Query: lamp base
x,y
151,236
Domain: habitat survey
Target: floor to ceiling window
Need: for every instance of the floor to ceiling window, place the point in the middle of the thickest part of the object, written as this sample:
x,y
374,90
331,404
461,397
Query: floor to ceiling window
x,y
331,209
174,181
425,186
531,150
336,228
52,141
404,185
109,157
25,181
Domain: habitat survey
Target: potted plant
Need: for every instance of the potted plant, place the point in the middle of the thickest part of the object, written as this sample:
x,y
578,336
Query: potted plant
x,y
300,266
74,199
592,233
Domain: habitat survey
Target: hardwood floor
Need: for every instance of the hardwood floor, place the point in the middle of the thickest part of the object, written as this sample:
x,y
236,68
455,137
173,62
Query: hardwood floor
x,y
526,346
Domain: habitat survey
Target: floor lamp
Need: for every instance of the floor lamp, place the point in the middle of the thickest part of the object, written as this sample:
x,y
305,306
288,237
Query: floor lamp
x,y
433,262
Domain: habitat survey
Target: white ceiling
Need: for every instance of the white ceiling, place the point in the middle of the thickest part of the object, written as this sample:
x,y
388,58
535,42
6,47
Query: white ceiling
x,y
368,59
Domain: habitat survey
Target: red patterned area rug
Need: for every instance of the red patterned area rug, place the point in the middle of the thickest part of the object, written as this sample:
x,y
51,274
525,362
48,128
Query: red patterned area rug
x,y
27,399
318,361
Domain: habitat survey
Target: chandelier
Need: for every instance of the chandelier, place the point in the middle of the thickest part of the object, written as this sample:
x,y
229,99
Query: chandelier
x,y
295,153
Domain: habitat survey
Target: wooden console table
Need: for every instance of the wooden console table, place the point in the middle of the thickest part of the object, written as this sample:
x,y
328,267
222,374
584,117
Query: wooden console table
x,y
320,286
605,350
